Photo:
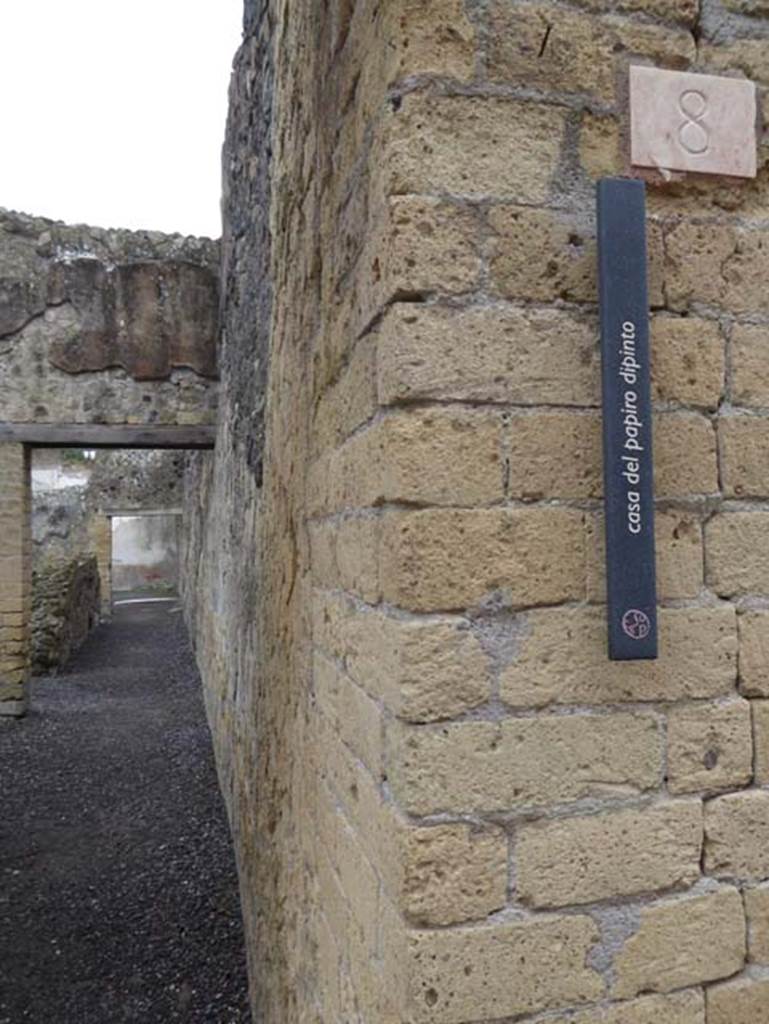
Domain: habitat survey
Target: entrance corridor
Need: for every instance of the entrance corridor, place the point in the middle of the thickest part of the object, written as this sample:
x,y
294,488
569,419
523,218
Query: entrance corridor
x,y
118,890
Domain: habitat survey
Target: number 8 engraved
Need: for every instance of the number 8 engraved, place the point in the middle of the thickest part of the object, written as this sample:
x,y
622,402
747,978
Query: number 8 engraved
x,y
693,135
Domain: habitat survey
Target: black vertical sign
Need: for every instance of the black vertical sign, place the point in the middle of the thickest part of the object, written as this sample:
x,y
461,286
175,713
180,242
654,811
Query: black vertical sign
x,y
627,420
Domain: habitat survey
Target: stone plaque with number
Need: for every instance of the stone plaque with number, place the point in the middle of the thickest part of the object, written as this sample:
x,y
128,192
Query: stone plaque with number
x,y
685,122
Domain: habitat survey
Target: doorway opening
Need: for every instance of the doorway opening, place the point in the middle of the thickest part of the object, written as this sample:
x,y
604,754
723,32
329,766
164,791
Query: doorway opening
x,y
145,556
105,530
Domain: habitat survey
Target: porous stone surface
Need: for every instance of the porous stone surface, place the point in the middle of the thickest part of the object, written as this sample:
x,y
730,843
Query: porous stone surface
x,y
679,555
491,353
750,379
737,836
744,442
743,1001
421,669
738,560
485,766
603,856
757,914
679,1008
439,560
754,653
760,709
688,361
454,874
710,746
502,970
537,45
698,658
667,950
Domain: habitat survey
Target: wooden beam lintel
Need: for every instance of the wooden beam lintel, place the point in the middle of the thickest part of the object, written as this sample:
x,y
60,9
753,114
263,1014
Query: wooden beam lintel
x,y
97,435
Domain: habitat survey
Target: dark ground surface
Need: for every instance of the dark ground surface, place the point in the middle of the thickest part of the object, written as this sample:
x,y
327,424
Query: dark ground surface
x,y
118,892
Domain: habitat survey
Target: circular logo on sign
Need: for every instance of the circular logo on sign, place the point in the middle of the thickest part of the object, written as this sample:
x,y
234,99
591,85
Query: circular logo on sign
x,y
636,624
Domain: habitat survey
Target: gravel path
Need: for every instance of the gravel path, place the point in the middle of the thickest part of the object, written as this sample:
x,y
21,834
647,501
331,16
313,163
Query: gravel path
x,y
118,892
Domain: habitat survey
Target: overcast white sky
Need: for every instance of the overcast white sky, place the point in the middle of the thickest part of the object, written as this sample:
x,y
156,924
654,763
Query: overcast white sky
x,y
113,113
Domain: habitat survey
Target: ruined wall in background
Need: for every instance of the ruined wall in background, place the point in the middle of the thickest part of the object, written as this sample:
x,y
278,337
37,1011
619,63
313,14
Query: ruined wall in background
x,y
67,490
59,523
105,326
136,479
97,327
449,807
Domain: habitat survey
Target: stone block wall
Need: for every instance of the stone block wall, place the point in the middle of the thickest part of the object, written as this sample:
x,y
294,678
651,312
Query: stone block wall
x,y
15,577
449,806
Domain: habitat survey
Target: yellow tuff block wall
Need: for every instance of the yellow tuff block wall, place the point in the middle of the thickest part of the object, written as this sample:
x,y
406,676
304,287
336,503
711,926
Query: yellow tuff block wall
x,y
555,832
449,806
15,577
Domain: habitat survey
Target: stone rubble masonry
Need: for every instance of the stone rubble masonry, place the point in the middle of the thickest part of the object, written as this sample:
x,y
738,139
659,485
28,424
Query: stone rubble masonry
x,y
65,608
15,577
450,806
106,326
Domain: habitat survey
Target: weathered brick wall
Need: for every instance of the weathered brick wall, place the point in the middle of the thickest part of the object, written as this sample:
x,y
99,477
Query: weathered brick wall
x,y
450,807
15,582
